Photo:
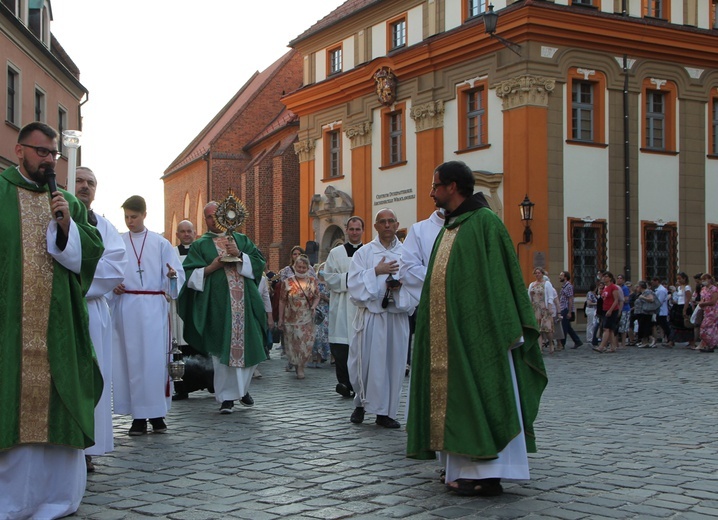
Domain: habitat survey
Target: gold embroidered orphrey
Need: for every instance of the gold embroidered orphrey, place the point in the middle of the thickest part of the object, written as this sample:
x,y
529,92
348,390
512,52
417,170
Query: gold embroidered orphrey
x,y
385,81
37,276
438,339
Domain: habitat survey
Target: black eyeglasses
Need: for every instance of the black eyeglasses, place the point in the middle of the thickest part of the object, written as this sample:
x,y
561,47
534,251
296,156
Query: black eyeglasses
x,y
44,152
435,185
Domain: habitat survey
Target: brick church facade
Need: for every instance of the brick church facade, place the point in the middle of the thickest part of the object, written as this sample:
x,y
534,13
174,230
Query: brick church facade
x,y
248,148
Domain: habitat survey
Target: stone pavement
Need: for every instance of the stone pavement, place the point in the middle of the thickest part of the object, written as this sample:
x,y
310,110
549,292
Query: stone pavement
x,y
626,435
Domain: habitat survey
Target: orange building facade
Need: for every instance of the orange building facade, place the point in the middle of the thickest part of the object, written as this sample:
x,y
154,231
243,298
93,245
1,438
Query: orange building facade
x,y
543,118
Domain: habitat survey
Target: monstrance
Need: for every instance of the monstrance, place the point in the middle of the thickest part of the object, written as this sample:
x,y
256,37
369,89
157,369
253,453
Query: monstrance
x,y
230,214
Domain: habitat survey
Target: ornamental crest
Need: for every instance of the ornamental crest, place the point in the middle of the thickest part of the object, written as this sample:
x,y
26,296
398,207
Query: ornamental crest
x,y
385,86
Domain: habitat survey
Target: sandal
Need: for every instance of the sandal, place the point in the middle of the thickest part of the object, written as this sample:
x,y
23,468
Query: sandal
x,y
442,476
599,350
469,487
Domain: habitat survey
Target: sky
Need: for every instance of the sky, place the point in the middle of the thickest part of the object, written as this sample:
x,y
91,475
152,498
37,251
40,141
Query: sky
x,y
158,71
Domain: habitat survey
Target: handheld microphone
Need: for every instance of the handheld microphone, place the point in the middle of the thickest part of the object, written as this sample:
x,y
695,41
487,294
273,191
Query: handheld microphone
x,y
50,181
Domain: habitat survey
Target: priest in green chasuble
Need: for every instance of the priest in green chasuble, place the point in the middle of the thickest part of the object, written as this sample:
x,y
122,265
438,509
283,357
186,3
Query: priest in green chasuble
x,y
477,370
49,378
222,309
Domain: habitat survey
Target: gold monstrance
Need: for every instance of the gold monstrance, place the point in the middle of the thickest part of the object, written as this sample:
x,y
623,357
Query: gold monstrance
x,y
230,214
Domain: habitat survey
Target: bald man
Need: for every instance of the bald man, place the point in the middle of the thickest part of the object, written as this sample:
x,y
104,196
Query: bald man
x,y
377,352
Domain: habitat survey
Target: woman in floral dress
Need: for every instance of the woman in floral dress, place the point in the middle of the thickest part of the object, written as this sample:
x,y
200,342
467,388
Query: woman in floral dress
x,y
709,325
298,300
320,351
540,293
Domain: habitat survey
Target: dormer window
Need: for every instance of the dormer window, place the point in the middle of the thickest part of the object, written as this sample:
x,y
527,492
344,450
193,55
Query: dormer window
x,y
40,15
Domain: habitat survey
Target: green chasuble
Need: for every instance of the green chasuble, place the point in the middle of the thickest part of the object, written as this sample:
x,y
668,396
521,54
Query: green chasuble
x,y
474,307
232,329
49,378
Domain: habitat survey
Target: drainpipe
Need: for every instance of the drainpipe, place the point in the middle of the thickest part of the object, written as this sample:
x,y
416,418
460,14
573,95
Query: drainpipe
x,y
626,160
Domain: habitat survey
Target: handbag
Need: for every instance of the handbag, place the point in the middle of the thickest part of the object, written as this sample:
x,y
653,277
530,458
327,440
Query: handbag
x,y
697,316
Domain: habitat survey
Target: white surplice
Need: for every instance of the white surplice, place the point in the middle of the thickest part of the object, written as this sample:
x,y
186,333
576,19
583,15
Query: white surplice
x,y
341,309
415,257
109,273
378,348
41,481
141,385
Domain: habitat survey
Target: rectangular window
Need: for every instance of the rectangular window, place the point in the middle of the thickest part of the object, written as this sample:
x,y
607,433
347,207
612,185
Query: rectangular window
x,y
333,153
393,136
656,8
13,102
61,126
396,132
39,105
582,111
714,127
660,251
655,120
714,251
475,8
397,33
659,116
585,107
473,117
582,2
588,252
335,60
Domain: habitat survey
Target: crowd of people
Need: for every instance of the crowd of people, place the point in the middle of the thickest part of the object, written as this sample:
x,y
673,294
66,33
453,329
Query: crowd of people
x,y
119,304
620,314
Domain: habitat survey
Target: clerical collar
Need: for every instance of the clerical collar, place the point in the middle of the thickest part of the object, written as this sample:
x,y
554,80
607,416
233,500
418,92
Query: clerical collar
x,y
29,181
183,250
476,201
351,248
91,217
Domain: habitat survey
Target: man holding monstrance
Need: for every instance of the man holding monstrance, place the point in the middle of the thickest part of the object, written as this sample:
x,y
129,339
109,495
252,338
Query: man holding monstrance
x,y
221,307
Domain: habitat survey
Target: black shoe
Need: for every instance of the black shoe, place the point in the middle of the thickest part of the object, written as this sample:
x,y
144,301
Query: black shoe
x,y
575,345
180,397
158,425
227,407
139,427
343,390
387,422
247,400
357,415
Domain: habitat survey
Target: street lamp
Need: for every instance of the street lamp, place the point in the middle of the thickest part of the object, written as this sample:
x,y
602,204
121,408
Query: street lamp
x,y
490,20
527,215
71,141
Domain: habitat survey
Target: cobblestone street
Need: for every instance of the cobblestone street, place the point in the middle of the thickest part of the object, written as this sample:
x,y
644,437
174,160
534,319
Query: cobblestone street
x,y
628,435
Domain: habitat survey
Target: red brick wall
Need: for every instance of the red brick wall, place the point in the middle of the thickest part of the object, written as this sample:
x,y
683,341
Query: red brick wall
x,y
269,189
